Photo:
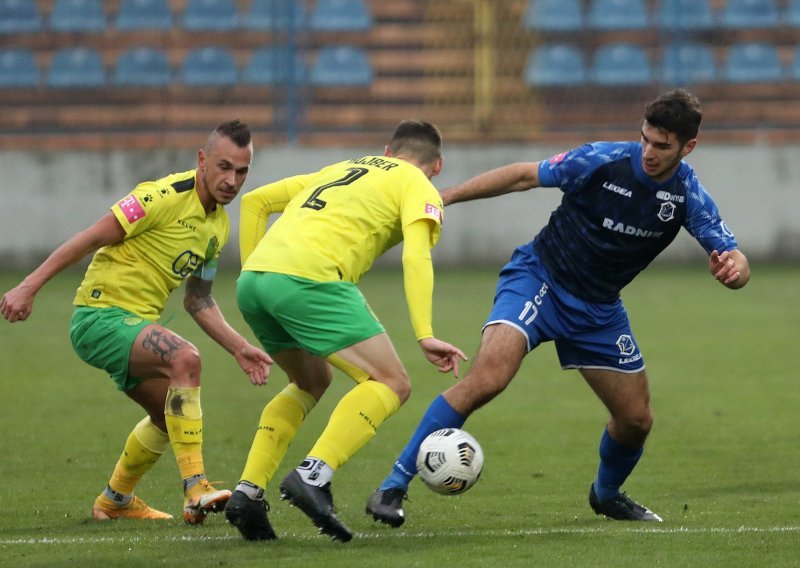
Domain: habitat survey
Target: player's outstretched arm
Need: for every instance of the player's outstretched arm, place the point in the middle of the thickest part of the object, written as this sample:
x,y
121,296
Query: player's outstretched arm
x,y
506,179
205,311
442,354
17,303
730,268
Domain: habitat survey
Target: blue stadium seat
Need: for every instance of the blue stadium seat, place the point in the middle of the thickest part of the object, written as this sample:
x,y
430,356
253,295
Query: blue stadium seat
x,y
753,62
19,16
269,15
340,16
749,14
795,69
553,15
143,67
792,15
76,67
78,16
621,64
340,66
210,15
209,66
618,15
274,66
686,14
555,65
18,68
144,15
689,63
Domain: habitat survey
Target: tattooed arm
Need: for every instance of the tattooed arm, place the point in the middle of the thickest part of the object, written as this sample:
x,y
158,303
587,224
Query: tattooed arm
x,y
204,310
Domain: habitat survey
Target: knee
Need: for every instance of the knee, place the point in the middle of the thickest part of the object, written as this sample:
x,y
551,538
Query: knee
x,y
404,393
635,426
316,389
185,366
479,388
472,392
400,385
159,421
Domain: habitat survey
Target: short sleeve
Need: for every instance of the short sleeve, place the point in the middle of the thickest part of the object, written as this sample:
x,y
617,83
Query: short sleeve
x,y
139,210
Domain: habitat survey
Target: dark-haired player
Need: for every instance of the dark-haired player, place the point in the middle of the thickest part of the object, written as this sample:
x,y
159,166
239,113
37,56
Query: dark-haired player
x,y
623,203
298,293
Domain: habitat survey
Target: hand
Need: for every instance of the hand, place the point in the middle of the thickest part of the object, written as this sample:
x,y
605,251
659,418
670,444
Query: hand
x,y
255,362
17,304
441,354
723,267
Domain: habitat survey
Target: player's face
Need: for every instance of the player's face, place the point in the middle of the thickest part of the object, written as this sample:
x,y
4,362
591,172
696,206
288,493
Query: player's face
x,y
662,152
223,170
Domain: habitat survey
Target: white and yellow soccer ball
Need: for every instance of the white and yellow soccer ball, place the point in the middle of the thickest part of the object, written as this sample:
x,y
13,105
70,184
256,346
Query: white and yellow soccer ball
x,y
450,461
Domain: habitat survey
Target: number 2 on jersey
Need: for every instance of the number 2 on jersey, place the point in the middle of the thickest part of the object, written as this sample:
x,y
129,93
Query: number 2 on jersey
x,y
314,201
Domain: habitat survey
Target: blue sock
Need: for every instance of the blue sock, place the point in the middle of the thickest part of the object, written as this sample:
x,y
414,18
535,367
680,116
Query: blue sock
x,y
439,415
616,464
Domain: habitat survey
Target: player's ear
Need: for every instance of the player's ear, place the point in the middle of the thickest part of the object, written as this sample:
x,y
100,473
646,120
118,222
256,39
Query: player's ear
x,y
688,147
386,151
201,159
437,168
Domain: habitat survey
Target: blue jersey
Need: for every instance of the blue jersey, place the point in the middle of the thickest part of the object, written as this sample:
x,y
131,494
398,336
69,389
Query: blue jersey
x,y
614,219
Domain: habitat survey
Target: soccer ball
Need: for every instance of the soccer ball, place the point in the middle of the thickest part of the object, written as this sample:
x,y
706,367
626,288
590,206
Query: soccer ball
x,y
450,461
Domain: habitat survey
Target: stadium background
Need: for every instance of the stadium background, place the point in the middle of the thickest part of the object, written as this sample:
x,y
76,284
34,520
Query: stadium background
x,y
99,95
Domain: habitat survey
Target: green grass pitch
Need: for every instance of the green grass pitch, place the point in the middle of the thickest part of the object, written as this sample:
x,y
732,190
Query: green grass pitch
x,y
721,466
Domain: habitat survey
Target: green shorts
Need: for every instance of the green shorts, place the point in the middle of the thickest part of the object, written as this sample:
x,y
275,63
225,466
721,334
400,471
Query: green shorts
x,y
103,338
287,312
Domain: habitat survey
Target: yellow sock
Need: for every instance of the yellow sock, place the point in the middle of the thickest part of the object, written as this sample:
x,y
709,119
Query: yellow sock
x,y
145,444
277,427
185,428
354,422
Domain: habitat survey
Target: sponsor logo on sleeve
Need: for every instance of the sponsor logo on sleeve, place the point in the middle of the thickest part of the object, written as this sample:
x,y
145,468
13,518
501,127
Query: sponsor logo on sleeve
x,y
131,208
433,211
558,158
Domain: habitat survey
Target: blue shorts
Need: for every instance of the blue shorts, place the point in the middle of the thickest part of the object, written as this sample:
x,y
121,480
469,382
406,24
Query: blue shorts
x,y
588,335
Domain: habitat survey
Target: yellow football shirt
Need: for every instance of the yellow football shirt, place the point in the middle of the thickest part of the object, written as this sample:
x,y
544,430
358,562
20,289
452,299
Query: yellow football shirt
x,y
168,236
337,221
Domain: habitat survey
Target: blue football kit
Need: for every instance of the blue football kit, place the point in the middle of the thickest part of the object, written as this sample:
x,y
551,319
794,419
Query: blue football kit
x,y
613,220
564,285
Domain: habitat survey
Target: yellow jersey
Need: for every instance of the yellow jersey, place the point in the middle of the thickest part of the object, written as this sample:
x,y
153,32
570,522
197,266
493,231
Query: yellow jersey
x,y
168,236
337,221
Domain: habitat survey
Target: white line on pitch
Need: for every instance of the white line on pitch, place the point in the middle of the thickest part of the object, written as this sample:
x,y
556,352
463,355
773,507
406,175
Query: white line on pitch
x,y
405,534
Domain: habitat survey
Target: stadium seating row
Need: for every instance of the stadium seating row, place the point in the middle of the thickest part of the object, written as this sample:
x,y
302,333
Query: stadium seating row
x,y
23,16
686,63
82,67
571,15
548,65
